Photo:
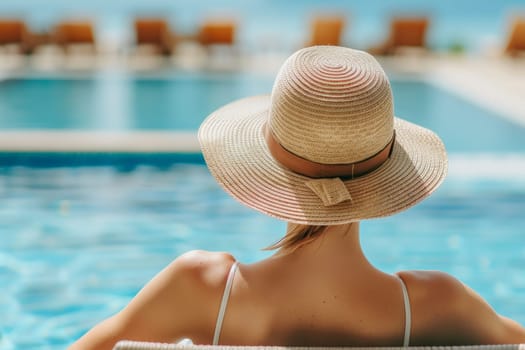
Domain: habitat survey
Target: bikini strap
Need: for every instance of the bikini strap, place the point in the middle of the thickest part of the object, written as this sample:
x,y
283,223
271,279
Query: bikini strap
x,y
224,303
408,316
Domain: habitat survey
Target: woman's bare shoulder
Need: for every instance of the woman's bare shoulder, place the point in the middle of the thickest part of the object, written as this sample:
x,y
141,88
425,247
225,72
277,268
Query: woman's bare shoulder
x,y
192,283
193,274
431,284
446,310
189,293
204,268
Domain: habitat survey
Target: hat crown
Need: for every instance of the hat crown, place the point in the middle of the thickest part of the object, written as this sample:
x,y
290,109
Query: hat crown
x,y
332,105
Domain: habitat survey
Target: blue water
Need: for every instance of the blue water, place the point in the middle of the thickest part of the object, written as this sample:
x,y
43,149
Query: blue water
x,y
78,242
182,101
275,24
176,102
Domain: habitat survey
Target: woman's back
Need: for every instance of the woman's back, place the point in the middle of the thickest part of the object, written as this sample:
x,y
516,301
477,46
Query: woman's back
x,y
323,293
271,304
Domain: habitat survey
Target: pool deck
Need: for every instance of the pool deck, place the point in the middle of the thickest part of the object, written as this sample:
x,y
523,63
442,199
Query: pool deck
x,y
494,82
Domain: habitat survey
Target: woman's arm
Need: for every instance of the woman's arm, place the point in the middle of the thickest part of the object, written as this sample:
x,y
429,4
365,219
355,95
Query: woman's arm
x,y
486,324
447,312
181,301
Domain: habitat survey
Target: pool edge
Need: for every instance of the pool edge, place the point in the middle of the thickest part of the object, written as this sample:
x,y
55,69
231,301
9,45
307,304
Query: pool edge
x,y
98,141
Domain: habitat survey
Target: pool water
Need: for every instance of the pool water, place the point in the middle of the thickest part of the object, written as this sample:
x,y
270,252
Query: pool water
x,y
120,101
78,242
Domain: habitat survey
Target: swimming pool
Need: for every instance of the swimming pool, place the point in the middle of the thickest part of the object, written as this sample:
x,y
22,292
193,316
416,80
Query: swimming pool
x,y
82,232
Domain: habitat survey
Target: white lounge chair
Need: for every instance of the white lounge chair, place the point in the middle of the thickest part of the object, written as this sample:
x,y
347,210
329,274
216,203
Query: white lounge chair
x,y
134,345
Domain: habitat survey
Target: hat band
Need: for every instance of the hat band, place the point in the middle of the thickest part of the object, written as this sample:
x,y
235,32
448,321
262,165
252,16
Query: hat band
x,y
312,169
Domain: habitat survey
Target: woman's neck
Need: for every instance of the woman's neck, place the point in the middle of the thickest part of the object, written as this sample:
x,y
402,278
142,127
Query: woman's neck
x,y
337,245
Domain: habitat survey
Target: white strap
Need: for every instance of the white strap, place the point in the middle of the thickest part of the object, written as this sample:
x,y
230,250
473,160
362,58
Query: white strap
x,y
408,317
224,303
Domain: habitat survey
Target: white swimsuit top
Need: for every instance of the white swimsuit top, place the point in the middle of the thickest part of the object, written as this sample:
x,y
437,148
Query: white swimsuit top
x,y
226,296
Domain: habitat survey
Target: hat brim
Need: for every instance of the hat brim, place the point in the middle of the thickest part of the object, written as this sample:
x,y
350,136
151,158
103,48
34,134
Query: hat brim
x,y
235,151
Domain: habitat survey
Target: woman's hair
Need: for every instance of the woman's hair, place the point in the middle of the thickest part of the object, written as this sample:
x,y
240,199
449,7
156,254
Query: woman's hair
x,y
296,236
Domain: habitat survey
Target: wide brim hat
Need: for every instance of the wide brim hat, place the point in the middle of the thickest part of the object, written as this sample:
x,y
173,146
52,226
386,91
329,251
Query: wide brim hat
x,y
324,148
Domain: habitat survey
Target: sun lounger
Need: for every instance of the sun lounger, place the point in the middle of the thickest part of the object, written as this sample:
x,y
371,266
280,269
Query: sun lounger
x,y
326,30
405,32
15,32
516,38
154,32
131,345
217,32
70,33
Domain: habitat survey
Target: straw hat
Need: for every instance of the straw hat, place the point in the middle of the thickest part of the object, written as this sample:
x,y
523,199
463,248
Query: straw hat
x,y
324,148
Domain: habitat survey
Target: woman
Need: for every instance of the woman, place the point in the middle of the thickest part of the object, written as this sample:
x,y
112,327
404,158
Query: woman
x,y
323,152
